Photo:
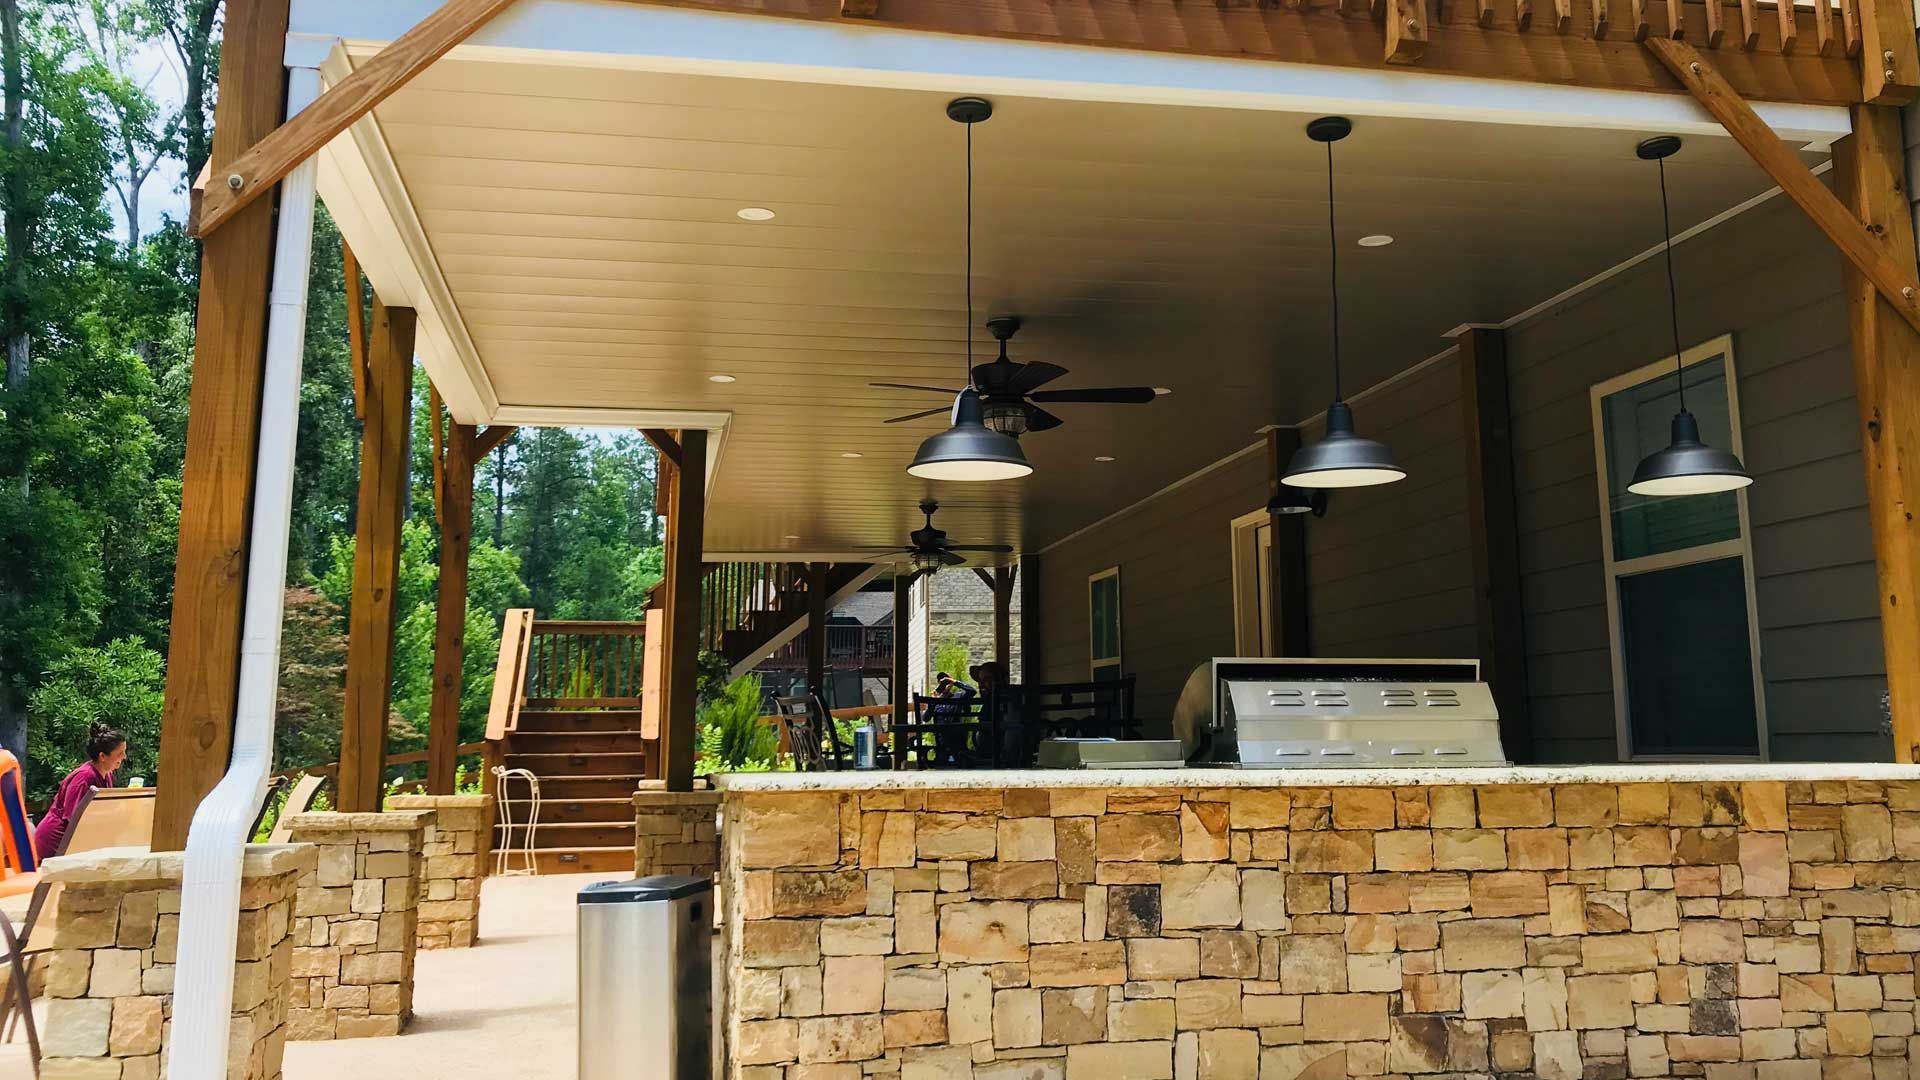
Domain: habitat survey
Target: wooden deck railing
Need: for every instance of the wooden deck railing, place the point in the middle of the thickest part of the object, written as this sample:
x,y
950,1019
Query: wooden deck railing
x,y
848,647
509,676
731,592
585,665
331,769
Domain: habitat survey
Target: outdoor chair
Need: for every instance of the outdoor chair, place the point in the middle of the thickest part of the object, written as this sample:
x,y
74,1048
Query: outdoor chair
x,y
947,733
504,850
1088,710
811,735
299,801
106,818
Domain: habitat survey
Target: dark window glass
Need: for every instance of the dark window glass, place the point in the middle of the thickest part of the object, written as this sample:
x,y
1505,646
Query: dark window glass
x,y
1688,659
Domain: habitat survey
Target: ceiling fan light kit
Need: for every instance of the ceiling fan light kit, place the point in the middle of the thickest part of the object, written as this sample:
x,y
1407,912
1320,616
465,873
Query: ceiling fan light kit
x,y
1686,466
1342,458
929,549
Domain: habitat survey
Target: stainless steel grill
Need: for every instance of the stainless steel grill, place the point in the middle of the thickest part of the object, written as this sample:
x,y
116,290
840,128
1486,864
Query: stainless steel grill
x,y
1322,713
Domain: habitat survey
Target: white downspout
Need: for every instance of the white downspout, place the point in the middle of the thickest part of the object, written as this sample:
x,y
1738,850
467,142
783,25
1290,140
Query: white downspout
x,y
216,842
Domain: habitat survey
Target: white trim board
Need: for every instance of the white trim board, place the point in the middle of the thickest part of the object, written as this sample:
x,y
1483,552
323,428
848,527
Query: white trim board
x,y
638,37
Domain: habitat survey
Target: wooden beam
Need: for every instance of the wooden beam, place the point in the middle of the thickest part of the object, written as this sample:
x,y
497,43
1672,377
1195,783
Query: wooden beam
x,y
450,611
1716,23
663,441
1889,55
1287,626
817,629
859,9
1869,173
1790,25
489,438
1749,24
902,642
686,523
356,328
1406,25
1494,533
1032,621
1893,276
223,428
1457,44
384,490
437,450
269,160
1601,19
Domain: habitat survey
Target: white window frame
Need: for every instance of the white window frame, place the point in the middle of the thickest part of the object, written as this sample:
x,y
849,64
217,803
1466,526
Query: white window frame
x,y
1613,570
1249,632
1095,665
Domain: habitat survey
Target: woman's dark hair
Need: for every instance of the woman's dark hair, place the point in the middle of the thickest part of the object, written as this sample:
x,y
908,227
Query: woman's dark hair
x,y
103,739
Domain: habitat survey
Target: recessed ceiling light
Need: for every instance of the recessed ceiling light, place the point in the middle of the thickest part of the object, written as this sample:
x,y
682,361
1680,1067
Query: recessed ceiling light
x,y
1376,240
791,536
1104,458
722,378
1162,391
853,454
754,213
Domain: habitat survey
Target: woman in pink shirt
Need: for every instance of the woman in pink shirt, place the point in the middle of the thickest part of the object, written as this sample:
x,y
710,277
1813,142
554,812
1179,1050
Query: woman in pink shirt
x,y
106,749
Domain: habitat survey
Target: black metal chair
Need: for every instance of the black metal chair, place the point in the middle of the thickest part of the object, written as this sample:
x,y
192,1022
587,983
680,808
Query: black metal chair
x,y
1088,710
811,735
947,733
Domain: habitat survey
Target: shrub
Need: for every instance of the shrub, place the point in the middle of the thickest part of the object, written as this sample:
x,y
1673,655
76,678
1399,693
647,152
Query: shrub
x,y
122,683
731,735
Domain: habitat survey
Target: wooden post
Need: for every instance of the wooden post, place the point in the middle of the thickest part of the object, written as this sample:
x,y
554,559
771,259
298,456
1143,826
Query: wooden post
x,y
817,630
1494,532
902,622
686,527
1030,621
1003,582
1869,175
450,614
1287,570
223,427
384,491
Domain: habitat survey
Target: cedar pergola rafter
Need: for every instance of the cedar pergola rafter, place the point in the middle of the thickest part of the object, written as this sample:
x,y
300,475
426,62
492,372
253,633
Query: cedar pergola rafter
x,y
1490,39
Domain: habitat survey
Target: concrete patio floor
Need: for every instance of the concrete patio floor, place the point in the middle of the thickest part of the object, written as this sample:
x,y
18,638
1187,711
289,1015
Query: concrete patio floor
x,y
504,1008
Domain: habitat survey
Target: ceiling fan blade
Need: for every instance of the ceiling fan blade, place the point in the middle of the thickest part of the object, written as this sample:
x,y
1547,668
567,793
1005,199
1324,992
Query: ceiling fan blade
x,y
1033,374
1099,395
1003,549
883,549
912,386
947,556
1039,419
918,415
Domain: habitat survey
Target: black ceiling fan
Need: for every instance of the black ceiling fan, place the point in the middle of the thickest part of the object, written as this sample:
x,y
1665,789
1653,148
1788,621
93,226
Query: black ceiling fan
x,y
1010,394
930,549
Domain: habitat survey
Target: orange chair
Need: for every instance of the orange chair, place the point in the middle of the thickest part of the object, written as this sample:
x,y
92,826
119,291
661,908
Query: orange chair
x,y
19,862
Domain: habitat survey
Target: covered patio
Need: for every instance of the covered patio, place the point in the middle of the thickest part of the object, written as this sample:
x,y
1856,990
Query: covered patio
x,y
727,223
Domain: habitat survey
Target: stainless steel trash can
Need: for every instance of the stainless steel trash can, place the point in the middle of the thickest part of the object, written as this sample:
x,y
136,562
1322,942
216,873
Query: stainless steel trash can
x,y
646,979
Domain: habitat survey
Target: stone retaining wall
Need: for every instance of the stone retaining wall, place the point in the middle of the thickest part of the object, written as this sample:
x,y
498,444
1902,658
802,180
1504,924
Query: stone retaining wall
x,y
455,862
110,974
354,927
676,832
1751,931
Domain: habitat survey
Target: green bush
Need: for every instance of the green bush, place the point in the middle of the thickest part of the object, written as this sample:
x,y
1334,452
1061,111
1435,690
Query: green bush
x,y
731,736
954,658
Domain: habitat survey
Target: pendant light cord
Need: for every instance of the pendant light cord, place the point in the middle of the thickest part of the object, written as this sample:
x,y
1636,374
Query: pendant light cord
x,y
967,381
1673,292
1333,273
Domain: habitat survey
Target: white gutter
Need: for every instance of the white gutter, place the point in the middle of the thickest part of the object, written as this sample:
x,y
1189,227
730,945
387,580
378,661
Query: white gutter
x,y
216,842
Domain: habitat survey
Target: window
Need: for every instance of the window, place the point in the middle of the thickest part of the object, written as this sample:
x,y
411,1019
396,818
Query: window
x,y
1679,573
1103,608
1253,584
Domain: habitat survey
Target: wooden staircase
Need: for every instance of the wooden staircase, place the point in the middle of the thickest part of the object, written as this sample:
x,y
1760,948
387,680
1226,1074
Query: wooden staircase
x,y
570,702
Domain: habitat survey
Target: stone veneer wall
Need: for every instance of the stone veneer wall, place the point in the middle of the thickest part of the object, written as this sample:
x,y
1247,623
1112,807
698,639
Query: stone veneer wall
x,y
354,918
110,974
1757,931
454,863
676,832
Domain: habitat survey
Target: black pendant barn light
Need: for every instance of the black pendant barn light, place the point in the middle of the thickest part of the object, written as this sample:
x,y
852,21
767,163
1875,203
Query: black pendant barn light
x,y
1687,466
1293,500
1341,458
968,450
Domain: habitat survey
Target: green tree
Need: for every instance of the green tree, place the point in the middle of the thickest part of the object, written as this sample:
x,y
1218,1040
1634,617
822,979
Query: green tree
x,y
313,679
119,684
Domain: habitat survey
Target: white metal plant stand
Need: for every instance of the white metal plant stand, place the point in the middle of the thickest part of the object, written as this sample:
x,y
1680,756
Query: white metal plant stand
x,y
503,848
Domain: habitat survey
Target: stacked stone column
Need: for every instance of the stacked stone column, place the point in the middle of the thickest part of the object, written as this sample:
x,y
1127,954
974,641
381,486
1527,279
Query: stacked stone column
x,y
455,862
676,832
354,924
110,979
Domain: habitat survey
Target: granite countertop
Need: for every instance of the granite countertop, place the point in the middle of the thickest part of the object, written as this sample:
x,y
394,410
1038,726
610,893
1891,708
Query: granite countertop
x,y
1303,778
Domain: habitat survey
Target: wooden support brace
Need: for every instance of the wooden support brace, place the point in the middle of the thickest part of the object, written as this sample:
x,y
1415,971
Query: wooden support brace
x,y
1790,26
268,161
859,9
1893,277
1523,14
1677,20
438,451
663,441
1483,13
1600,20
1869,174
1850,27
1823,35
490,438
1716,23
1562,16
1642,26
1406,31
